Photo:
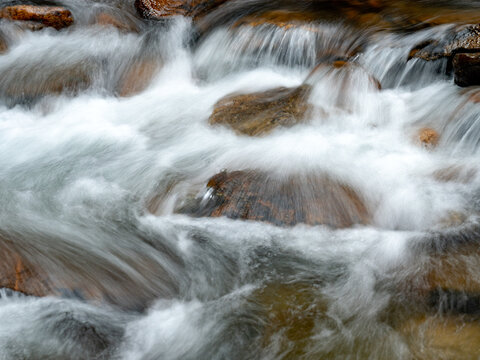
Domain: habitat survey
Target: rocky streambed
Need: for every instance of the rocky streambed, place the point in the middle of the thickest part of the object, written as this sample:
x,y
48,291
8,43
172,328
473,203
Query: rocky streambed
x,y
238,179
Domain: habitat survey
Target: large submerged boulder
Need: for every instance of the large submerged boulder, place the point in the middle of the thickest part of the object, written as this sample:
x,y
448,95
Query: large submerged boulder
x,y
51,16
259,113
18,274
286,201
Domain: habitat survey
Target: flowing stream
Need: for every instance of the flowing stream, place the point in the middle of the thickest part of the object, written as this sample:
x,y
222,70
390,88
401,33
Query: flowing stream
x,y
79,169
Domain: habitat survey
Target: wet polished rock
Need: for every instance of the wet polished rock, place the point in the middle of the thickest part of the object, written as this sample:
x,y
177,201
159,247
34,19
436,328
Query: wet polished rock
x,y
259,113
50,16
254,195
466,69
161,9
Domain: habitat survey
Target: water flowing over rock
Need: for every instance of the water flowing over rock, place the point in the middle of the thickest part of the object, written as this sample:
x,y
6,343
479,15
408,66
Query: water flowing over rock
x,y
3,44
51,16
463,39
345,226
17,274
106,19
137,77
461,46
259,113
312,200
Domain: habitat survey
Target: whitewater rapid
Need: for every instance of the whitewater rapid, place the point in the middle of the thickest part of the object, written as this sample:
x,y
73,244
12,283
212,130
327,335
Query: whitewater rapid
x,y
77,174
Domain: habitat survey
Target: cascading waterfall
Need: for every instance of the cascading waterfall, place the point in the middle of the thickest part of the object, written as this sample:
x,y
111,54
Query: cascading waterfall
x,y
91,183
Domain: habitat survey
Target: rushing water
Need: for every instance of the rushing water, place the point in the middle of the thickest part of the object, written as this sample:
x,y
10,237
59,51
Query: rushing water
x,y
78,170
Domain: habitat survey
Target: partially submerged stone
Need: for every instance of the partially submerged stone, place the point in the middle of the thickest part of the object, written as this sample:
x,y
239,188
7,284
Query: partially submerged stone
x,y
23,85
161,9
458,40
287,201
428,137
137,77
17,274
3,44
291,310
51,16
346,73
26,270
259,113
434,337
466,68
280,18
108,19
455,173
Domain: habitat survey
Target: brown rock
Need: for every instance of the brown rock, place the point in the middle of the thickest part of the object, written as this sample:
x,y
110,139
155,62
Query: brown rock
x,y
159,9
137,77
280,18
455,173
466,68
52,16
106,19
3,44
21,84
291,310
455,271
344,70
259,113
428,137
434,337
16,273
40,272
460,39
253,195
475,97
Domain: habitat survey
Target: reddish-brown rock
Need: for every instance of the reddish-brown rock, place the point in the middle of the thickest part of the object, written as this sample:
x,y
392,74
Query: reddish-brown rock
x,y
344,70
460,39
106,19
18,274
3,44
466,68
27,84
261,112
52,16
435,337
159,9
428,137
280,18
137,77
291,310
253,195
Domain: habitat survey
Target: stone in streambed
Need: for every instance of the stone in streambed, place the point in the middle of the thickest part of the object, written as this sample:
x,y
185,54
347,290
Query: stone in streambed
x,y
3,44
137,77
18,274
291,310
428,137
346,73
287,201
459,40
261,112
161,9
51,16
466,68
25,84
107,19
461,48
436,337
